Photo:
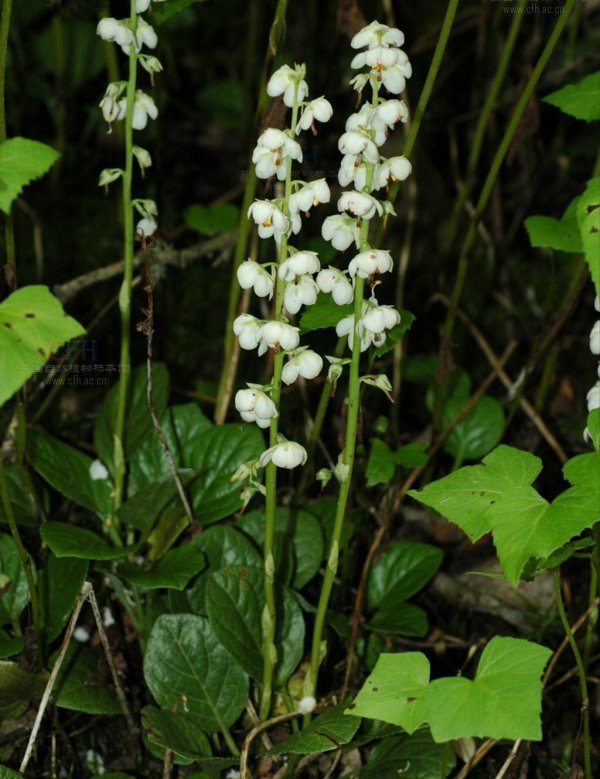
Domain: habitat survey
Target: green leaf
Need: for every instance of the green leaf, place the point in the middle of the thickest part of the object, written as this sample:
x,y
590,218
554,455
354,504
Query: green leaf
x,y
403,570
174,570
21,499
399,619
381,464
412,455
19,688
7,773
416,757
162,12
496,497
59,587
187,669
581,100
593,425
10,645
14,590
561,235
235,602
79,685
33,325
478,432
323,314
145,507
138,422
329,731
67,540
588,219
297,531
394,691
213,219
175,730
68,471
503,701
22,161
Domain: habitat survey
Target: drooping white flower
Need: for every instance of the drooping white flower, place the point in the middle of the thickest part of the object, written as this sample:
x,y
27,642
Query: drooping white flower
x,y
145,34
143,107
352,170
394,78
255,405
272,150
283,82
278,335
372,261
377,34
595,338
593,397
305,363
356,142
320,109
312,194
372,325
341,230
345,327
287,454
146,228
302,291
247,328
141,6
98,471
298,264
597,302
334,281
269,218
396,168
387,114
252,274
380,318
112,110
117,31
389,65
360,204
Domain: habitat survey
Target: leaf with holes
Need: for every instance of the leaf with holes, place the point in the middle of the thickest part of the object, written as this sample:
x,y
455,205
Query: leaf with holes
x,y
561,235
588,219
22,161
581,100
33,326
187,669
330,731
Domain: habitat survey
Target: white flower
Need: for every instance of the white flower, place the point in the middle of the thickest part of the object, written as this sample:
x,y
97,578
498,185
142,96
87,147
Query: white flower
x,y
377,34
295,223
319,109
287,454
396,168
283,82
255,405
373,261
107,617
143,107
145,34
374,321
312,194
115,30
346,327
593,397
360,204
356,142
252,274
391,66
388,114
278,335
82,635
141,6
597,302
299,264
351,170
341,230
595,338
334,281
98,471
112,110
305,363
307,705
300,292
360,120
146,228
394,78
247,328
272,149
270,219
380,318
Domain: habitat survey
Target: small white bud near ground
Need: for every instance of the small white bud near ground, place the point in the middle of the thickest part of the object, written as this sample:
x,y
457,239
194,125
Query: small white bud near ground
x,y
307,705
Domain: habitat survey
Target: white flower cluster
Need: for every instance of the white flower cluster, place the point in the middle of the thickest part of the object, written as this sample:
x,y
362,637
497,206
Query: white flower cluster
x,y
367,171
593,396
131,38
275,152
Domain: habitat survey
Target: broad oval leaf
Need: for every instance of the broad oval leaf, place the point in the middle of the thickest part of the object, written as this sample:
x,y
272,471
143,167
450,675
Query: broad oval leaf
x,y
404,569
187,669
173,571
33,325
22,161
71,541
478,433
417,756
59,587
80,687
176,731
330,730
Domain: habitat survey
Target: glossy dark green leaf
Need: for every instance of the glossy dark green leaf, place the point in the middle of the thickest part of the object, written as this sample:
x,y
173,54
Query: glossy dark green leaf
x,y
399,619
416,756
21,499
19,688
71,541
174,570
163,12
478,433
59,585
395,334
187,669
175,730
14,590
235,602
143,509
404,569
323,314
9,645
68,471
81,683
330,730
